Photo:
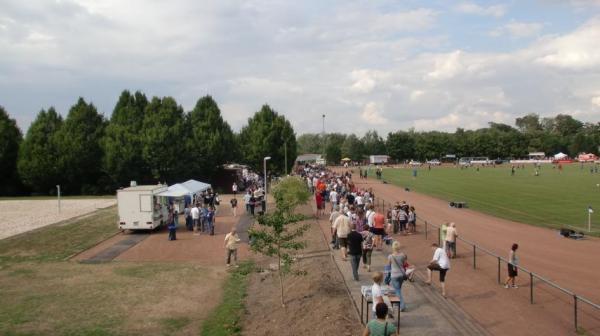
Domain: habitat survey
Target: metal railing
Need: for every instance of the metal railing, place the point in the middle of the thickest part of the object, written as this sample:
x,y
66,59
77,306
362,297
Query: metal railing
x,y
572,297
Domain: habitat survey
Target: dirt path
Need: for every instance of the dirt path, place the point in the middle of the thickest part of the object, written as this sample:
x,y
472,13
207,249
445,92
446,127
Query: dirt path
x,y
564,261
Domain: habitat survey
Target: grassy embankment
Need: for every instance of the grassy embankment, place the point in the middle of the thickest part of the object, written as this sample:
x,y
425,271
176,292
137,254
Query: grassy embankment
x,y
42,294
552,199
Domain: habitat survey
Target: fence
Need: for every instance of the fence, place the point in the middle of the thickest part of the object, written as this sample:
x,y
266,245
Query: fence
x,y
585,313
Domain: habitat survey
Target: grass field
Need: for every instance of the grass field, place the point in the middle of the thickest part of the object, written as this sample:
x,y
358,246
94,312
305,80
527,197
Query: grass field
x,y
42,294
553,199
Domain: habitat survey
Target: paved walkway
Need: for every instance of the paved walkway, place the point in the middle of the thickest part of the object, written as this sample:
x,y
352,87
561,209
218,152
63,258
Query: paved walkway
x,y
427,312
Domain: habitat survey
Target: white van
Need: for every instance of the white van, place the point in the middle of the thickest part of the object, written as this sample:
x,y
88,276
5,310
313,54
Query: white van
x,y
140,207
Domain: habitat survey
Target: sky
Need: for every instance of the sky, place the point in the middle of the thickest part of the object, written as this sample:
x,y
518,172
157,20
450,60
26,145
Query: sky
x,y
383,65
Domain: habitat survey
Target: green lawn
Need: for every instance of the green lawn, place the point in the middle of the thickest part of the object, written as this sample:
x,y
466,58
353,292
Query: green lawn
x,y
553,199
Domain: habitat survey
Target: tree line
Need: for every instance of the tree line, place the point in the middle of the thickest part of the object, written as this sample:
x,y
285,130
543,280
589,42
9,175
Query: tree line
x,y
145,140
561,133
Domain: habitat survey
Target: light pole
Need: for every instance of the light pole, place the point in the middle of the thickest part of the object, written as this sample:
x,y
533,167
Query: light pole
x,y
265,172
58,194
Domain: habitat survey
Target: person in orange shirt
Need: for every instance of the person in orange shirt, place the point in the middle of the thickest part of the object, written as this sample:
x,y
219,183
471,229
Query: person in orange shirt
x,y
378,230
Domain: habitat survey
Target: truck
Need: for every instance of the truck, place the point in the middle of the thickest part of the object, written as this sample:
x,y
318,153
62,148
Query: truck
x,y
141,207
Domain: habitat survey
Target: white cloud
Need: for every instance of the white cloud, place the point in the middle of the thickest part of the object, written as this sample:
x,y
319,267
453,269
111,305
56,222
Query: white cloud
x,y
371,114
577,50
473,8
596,101
446,66
519,29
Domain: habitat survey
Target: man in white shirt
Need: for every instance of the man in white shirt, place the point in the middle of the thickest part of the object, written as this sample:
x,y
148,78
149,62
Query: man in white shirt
x,y
370,215
234,189
195,212
333,198
441,263
342,227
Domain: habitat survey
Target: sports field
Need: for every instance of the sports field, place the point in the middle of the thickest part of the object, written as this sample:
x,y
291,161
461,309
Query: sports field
x,y
552,199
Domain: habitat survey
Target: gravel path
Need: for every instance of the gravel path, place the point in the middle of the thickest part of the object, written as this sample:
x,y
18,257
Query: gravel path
x,y
20,216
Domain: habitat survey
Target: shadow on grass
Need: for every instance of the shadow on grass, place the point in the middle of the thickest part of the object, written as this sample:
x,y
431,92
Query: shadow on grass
x,y
225,319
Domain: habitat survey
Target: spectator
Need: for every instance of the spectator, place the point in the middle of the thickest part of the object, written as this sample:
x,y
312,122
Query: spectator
x,y
412,220
441,263
195,212
379,326
342,226
398,274
378,230
247,198
334,215
231,245
355,240
513,263
451,235
233,202
367,249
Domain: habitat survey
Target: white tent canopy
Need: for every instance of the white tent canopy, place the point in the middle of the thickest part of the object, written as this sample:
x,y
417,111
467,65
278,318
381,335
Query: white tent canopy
x,y
190,187
176,190
560,155
196,186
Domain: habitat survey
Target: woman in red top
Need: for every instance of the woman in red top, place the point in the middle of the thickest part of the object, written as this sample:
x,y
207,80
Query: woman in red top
x,y
320,204
378,230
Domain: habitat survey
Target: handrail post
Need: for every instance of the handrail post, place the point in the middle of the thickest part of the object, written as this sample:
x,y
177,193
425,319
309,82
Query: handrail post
x,y
474,256
531,287
498,269
575,311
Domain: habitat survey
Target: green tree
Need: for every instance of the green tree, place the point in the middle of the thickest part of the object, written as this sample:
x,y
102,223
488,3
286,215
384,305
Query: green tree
x,y
122,143
38,163
310,143
353,148
79,151
333,149
10,138
163,133
529,123
400,146
211,140
373,144
265,135
278,233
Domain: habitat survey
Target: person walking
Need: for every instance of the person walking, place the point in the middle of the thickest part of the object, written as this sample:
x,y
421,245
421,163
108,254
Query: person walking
x,y
332,217
398,274
355,240
342,227
195,212
247,198
187,214
367,249
231,245
234,203
210,221
379,326
513,263
451,235
440,263
172,224
412,220
378,230
234,188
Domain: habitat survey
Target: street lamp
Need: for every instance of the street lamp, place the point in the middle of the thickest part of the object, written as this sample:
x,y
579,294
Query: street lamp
x,y
265,172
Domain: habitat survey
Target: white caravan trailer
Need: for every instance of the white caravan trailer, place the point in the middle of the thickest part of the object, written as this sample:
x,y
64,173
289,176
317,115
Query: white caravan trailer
x,y
141,208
